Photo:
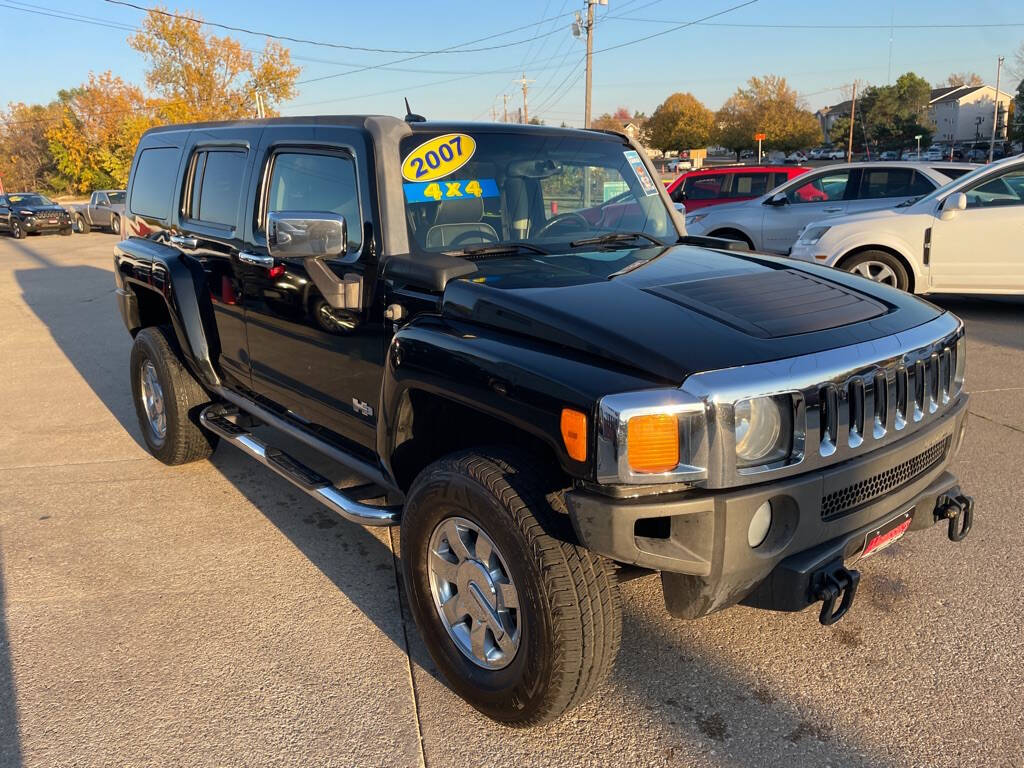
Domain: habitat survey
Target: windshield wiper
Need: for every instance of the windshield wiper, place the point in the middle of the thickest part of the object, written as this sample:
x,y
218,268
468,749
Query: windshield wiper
x,y
615,237
499,249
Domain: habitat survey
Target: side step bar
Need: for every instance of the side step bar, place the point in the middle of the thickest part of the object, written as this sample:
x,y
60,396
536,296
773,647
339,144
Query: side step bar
x,y
218,419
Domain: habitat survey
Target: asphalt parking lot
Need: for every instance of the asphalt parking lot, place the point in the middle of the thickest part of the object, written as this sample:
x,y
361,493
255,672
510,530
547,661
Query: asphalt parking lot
x,y
209,615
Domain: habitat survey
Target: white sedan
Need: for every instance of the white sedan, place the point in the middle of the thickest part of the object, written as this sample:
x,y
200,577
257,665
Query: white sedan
x,y
965,237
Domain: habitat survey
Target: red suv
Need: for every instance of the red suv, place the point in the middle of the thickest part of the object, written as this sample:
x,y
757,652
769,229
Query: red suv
x,y
729,184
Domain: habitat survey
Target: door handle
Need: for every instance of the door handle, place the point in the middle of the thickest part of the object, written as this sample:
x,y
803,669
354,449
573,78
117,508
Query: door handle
x,y
185,242
256,259
832,210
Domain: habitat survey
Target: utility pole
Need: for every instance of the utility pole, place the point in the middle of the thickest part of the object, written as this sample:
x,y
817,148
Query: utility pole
x,y
995,113
494,114
261,111
525,83
504,109
590,56
853,112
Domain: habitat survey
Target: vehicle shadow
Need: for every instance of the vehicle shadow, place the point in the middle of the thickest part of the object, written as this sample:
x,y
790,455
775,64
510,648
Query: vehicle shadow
x,y
77,305
993,319
10,742
712,701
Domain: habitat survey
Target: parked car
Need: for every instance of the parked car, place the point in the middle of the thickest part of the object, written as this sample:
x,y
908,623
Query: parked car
x,y
935,153
545,403
796,157
772,221
746,154
728,184
971,229
910,155
977,155
889,155
105,209
835,154
29,213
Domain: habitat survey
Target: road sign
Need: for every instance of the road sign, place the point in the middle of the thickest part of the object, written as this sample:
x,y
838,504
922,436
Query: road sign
x,y
760,136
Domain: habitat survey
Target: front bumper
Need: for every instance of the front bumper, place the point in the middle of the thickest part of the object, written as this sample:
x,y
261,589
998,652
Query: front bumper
x,y
808,252
698,539
35,224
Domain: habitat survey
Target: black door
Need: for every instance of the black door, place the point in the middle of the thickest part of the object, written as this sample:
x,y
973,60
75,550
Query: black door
x,y
5,214
211,229
322,363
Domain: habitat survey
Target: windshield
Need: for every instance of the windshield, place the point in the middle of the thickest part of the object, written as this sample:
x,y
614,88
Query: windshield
x,y
547,193
935,194
116,198
30,200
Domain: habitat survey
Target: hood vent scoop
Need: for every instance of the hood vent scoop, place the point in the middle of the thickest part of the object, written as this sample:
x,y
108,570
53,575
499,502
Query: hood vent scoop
x,y
770,305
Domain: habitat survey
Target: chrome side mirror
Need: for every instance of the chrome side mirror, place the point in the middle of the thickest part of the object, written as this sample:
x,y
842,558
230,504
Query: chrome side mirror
x,y
303,234
952,205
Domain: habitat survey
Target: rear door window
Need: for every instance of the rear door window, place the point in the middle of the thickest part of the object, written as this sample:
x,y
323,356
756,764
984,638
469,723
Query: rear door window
x,y
704,187
153,183
217,187
749,184
893,182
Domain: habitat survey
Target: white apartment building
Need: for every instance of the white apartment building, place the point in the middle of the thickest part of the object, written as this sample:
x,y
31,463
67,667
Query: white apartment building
x,y
964,113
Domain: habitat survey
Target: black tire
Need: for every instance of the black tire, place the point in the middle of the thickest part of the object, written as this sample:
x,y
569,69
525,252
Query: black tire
x,y
66,231
183,398
83,225
732,234
569,615
115,225
866,258
17,229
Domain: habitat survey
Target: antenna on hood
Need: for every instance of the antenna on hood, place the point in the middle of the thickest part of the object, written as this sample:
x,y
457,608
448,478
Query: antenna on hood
x,y
410,117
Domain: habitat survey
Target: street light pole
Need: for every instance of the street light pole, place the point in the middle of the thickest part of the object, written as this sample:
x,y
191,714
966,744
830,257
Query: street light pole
x,y
995,113
853,112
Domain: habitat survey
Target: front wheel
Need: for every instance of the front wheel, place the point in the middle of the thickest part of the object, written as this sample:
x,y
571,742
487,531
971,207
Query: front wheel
x,y
880,266
524,623
82,225
17,229
115,225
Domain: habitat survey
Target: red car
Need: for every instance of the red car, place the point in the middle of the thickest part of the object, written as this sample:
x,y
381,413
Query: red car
x,y
728,184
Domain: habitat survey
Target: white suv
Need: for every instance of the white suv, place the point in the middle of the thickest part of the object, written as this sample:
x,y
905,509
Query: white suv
x,y
964,237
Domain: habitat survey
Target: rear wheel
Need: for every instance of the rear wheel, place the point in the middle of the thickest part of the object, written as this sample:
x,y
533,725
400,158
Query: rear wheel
x,y
880,266
167,400
524,623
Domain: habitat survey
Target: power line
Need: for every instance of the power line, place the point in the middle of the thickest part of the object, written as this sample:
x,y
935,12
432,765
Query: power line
x,y
679,26
828,26
306,41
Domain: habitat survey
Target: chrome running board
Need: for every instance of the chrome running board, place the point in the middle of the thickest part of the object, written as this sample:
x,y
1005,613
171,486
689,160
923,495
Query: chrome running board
x,y
218,419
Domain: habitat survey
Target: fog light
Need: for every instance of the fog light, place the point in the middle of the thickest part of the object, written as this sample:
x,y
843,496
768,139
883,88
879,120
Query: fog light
x,y
760,523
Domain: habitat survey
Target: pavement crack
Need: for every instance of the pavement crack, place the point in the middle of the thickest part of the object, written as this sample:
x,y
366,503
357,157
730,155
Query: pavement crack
x,y
997,422
408,655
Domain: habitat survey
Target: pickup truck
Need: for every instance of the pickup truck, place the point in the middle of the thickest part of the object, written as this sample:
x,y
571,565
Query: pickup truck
x,y
105,210
547,399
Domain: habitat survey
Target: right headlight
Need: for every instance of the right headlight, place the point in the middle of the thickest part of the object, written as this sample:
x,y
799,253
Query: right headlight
x,y
812,235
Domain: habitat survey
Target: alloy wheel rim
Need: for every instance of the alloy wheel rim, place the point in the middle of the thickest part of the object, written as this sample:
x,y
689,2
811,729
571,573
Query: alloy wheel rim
x,y
473,591
153,401
877,271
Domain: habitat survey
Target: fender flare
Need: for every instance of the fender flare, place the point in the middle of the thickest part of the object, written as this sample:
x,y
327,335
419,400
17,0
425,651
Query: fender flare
x,y
146,265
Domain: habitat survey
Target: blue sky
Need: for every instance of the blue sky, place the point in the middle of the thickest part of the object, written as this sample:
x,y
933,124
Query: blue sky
x,y
709,60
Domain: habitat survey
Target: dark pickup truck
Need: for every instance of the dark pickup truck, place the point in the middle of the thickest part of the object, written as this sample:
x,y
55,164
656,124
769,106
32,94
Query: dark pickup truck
x,y
504,330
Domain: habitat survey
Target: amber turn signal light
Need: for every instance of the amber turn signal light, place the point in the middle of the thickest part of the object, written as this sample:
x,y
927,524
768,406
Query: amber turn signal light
x,y
574,433
652,442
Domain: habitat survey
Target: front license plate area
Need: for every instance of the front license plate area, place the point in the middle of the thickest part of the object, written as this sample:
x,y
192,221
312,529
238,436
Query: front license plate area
x,y
886,534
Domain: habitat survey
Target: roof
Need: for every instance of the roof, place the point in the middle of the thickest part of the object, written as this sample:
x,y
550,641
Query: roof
x,y
955,93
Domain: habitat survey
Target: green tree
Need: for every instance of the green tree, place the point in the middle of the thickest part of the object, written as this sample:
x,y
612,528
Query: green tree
x,y
203,77
767,105
894,114
26,162
1016,117
680,122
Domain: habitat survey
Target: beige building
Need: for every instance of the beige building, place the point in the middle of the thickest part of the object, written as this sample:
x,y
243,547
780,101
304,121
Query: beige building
x,y
964,113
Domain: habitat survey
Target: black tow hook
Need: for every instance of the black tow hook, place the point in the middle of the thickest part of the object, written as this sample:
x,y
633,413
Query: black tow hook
x,y
959,510
830,583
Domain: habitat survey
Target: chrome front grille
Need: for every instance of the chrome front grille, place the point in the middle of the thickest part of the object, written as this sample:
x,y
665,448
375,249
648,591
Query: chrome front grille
x,y
846,401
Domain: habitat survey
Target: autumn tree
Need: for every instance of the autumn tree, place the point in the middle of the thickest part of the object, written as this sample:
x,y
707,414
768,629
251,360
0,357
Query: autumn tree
x,y
767,105
204,77
964,78
99,126
612,121
894,114
680,122
25,159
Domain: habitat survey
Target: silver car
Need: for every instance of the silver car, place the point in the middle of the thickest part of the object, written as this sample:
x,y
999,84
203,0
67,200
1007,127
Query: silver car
x,y
773,221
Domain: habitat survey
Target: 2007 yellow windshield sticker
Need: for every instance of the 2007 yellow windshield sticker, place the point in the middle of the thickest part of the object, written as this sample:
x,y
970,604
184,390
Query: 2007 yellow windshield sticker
x,y
438,157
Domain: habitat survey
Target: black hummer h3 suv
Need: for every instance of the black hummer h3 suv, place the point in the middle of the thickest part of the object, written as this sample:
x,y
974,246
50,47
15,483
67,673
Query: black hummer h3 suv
x,y
543,381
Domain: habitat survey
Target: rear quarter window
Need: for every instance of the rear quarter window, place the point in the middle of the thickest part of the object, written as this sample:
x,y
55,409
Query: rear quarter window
x,y
153,183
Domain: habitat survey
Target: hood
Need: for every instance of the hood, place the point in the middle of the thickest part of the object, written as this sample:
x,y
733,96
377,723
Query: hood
x,y
687,309
38,208
850,218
